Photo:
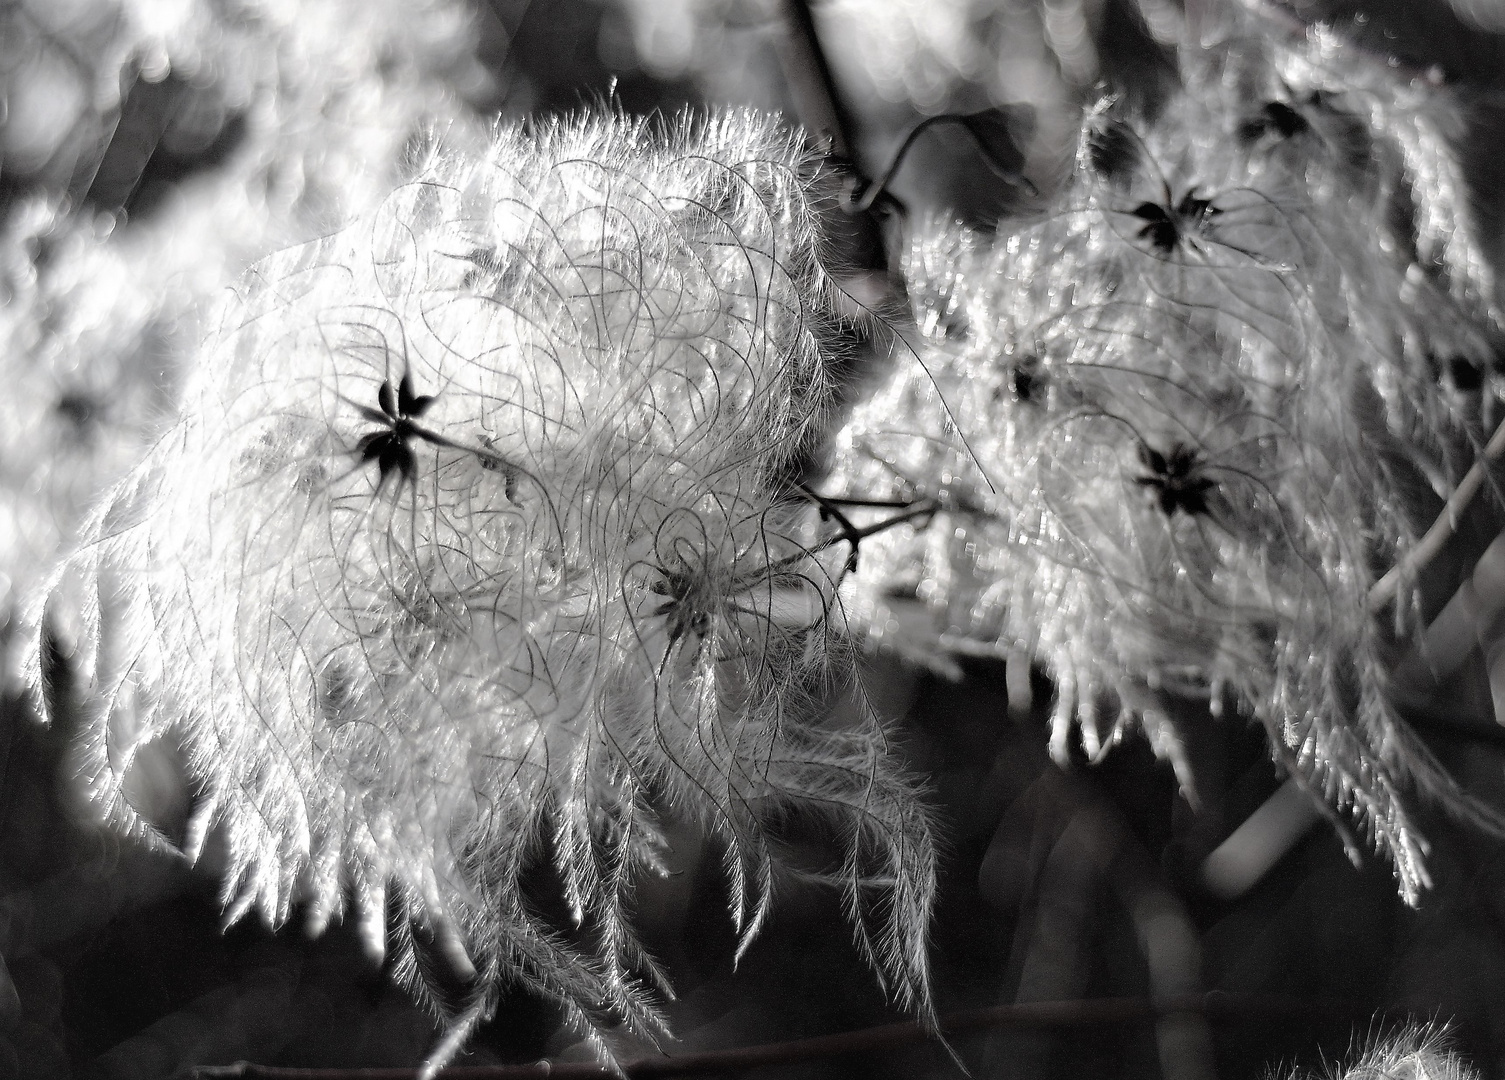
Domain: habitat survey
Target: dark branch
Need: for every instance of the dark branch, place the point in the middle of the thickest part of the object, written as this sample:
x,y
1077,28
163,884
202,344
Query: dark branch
x,y
1041,1014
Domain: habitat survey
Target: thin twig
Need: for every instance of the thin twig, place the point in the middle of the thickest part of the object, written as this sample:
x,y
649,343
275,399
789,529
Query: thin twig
x,y
1035,1014
830,509
875,504
850,534
1442,529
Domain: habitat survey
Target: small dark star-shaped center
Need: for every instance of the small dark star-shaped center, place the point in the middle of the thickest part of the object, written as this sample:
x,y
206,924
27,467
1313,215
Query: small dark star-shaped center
x,y
391,446
1175,479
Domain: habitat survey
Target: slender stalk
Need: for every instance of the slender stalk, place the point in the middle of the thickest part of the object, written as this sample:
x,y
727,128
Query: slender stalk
x,y
877,504
922,509
879,186
849,534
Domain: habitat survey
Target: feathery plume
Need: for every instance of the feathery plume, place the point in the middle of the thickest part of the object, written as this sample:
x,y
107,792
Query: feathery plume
x,y
1178,425
473,552
274,123
1416,1052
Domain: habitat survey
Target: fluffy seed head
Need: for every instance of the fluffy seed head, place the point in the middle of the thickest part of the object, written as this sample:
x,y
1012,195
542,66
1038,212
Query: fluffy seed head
x,y
1416,1052
1179,424
473,551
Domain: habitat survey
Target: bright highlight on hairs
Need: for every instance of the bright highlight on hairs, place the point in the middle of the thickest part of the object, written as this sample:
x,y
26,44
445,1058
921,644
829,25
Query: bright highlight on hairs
x,y
1416,1052
473,551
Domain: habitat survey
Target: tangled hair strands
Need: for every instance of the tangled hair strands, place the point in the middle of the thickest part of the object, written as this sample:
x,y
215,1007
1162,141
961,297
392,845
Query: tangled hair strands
x,y
587,356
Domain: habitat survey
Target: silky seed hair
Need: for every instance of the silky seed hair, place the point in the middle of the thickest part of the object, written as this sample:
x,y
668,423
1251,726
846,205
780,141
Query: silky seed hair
x,y
473,551
1178,425
106,273
1415,1052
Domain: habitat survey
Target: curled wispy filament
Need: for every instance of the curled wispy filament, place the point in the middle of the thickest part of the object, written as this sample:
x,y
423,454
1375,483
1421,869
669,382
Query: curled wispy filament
x,y
548,588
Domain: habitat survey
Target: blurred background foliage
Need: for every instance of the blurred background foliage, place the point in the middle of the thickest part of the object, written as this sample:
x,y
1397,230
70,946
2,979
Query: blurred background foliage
x,y
150,149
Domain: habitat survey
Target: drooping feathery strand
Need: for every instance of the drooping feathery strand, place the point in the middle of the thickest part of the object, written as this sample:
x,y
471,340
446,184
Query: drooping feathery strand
x,y
473,551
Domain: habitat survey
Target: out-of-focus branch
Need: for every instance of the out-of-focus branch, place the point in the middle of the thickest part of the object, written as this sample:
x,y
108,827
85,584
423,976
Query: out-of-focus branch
x,y
1089,845
816,99
1080,1013
1241,861
1467,622
1442,529
856,236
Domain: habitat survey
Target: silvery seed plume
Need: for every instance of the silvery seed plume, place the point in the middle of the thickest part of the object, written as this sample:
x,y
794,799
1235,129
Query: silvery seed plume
x,y
1416,1052
1179,425
285,120
471,553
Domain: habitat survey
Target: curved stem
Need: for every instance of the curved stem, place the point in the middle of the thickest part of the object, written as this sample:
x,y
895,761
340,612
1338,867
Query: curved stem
x,y
880,187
